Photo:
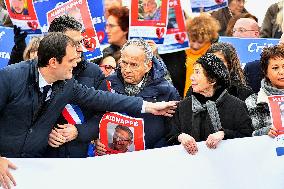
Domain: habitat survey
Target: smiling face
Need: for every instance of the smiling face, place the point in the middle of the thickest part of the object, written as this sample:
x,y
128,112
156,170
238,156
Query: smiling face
x,y
199,81
121,140
78,38
149,6
275,72
64,69
18,6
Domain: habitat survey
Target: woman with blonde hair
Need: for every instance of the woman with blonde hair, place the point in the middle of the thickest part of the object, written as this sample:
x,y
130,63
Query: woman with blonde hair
x,y
31,50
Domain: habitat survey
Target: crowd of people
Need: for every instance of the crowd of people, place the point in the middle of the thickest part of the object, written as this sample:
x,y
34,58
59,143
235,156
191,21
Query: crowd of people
x,y
198,94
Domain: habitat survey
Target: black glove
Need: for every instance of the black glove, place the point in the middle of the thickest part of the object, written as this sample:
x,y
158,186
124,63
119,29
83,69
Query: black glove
x,y
19,47
19,37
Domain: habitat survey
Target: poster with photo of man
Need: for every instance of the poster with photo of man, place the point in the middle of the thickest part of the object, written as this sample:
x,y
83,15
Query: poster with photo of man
x,y
176,38
148,19
23,15
121,133
80,11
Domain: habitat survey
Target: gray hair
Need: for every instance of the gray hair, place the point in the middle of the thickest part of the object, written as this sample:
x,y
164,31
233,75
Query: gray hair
x,y
139,42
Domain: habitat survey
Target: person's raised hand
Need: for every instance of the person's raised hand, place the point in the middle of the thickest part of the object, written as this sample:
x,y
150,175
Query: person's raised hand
x,y
6,177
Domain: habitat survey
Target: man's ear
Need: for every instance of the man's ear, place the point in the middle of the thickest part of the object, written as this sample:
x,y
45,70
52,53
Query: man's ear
x,y
149,65
52,62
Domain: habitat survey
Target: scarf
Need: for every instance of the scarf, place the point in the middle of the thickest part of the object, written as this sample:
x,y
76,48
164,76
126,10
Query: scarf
x,y
133,90
269,89
211,108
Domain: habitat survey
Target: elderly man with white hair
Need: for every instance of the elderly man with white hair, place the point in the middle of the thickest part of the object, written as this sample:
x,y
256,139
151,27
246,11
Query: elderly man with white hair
x,y
139,76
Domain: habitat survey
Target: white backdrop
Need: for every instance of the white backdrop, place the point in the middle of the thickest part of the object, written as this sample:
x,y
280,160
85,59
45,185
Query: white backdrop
x,y
249,163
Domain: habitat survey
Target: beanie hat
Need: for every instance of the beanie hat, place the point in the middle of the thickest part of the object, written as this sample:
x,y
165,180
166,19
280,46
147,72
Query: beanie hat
x,y
215,69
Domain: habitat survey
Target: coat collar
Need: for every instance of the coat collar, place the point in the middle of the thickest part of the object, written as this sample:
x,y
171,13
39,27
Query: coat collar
x,y
261,97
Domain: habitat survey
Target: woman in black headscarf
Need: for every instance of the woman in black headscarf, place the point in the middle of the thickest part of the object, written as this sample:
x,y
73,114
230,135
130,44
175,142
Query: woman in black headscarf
x,y
210,114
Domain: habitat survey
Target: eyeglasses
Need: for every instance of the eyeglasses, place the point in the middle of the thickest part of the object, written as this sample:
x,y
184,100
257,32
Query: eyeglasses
x,y
241,30
132,65
110,26
107,67
79,43
120,138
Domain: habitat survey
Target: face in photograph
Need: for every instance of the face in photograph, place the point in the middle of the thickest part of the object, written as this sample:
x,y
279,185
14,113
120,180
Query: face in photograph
x,y
18,7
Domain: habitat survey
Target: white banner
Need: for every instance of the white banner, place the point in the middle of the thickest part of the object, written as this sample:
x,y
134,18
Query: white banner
x,y
248,163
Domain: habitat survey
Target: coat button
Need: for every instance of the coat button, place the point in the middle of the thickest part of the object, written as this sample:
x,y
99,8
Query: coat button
x,y
30,130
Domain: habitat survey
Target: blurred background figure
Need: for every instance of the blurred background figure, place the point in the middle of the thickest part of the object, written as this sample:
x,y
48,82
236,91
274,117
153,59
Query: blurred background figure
x,y
108,65
4,16
202,31
271,26
228,54
19,7
110,3
272,67
31,50
232,21
246,28
204,115
235,8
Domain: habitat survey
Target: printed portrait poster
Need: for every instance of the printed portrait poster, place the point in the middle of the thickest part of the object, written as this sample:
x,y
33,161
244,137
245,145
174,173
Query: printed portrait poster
x,y
22,14
95,8
276,106
6,45
148,20
121,133
249,49
80,11
207,5
176,38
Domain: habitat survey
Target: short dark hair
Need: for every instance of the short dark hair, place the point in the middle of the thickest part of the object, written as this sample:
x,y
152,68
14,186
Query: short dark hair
x,y
53,45
276,51
64,23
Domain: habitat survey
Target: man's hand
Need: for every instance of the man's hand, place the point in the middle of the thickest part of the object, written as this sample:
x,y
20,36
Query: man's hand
x,y
214,139
56,139
161,108
5,176
273,132
188,143
100,148
68,131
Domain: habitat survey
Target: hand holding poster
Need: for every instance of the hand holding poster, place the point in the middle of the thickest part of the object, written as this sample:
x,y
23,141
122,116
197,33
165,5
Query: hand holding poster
x,y
22,14
276,105
176,38
207,5
120,133
148,19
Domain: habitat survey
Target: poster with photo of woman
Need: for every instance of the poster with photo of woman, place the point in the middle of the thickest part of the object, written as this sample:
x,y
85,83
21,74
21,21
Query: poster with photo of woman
x,y
23,15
